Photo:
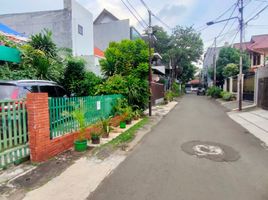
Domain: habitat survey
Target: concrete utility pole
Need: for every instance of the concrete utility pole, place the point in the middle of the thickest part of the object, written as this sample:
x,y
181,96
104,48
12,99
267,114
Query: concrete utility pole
x,y
214,63
241,24
150,32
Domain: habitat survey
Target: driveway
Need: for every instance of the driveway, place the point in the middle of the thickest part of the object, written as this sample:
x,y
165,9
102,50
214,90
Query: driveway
x,y
162,167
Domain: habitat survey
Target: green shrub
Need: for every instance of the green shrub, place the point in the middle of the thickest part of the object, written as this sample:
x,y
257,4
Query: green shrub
x,y
175,88
168,96
227,96
214,92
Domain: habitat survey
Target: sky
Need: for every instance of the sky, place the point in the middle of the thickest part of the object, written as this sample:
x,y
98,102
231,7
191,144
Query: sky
x,y
172,12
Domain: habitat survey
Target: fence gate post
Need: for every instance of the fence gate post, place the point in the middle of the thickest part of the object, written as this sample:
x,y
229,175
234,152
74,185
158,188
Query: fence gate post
x,y
38,126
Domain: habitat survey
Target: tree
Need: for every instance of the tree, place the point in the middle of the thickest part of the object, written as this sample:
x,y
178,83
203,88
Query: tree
x,y
161,46
126,70
186,47
229,55
74,74
43,41
230,70
123,57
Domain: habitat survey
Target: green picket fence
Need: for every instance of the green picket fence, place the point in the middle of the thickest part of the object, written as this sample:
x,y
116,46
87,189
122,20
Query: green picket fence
x,y
60,109
13,132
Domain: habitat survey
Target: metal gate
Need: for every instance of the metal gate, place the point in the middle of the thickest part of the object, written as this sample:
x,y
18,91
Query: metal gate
x,y
13,132
248,87
263,93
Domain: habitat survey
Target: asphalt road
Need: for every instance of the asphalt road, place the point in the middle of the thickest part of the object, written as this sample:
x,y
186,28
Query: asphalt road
x,y
158,169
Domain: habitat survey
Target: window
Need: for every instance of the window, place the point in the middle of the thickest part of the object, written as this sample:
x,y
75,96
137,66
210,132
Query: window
x,y
61,92
49,89
80,30
26,89
256,59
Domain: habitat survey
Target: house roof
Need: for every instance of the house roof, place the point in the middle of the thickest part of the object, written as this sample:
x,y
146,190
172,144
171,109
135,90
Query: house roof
x,y
103,14
98,52
7,30
258,43
194,82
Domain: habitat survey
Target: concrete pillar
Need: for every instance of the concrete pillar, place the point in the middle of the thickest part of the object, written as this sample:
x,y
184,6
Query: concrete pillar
x,y
231,85
225,85
256,87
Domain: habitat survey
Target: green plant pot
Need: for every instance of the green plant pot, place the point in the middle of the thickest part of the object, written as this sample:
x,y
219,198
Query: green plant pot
x,y
80,145
122,124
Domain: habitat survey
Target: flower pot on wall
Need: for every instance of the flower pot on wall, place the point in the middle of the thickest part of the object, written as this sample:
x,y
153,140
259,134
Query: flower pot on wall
x,y
80,145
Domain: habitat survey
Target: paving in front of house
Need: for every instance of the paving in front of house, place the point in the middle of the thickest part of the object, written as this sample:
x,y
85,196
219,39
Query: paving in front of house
x,y
78,177
254,120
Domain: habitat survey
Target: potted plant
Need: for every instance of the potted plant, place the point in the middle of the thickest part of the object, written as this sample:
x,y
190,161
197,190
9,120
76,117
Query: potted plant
x,y
128,113
105,126
80,144
95,138
136,114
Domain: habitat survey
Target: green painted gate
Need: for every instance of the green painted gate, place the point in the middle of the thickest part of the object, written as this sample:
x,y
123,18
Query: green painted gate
x,y
13,132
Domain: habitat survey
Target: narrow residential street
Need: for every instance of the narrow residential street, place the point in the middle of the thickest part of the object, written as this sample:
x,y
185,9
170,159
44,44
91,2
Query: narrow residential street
x,y
159,168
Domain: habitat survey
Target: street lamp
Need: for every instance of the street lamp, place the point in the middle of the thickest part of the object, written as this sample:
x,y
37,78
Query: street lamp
x,y
241,25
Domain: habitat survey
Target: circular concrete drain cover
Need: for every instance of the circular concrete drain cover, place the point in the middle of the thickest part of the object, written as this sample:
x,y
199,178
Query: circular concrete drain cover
x,y
211,150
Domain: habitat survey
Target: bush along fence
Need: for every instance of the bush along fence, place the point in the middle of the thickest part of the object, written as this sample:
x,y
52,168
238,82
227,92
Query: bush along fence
x,y
13,132
46,127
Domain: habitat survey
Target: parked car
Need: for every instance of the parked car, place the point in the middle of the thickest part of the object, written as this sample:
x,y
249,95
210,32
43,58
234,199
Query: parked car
x,y
201,91
12,90
19,89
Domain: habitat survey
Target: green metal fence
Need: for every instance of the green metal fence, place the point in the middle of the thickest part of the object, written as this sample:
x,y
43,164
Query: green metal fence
x,y
60,109
13,132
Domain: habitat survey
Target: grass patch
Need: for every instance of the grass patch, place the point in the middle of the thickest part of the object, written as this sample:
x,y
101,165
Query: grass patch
x,y
128,135
124,137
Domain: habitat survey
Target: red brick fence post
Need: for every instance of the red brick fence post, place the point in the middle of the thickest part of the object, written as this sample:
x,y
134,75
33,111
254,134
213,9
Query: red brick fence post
x,y
38,126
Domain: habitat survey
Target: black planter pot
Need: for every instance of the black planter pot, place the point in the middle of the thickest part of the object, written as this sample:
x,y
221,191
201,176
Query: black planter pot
x,y
95,140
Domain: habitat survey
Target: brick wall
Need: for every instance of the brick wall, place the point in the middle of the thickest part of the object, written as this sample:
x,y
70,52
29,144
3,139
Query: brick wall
x,y
41,146
158,92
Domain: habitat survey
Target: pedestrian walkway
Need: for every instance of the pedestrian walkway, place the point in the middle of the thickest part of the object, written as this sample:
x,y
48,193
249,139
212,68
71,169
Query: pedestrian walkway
x,y
233,105
255,121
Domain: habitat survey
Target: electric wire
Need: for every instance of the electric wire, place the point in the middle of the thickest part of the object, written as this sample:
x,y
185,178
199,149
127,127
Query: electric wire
x,y
137,12
133,14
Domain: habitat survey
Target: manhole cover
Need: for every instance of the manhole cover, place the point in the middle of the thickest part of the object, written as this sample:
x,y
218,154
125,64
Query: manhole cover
x,y
211,150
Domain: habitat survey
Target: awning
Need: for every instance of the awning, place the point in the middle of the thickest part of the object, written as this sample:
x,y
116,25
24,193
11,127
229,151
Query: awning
x,y
161,69
9,54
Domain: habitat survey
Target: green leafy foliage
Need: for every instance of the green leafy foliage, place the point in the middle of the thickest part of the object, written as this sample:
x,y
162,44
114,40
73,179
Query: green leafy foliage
x,y
214,92
43,41
168,96
186,47
175,88
227,56
230,70
227,96
77,80
126,69
79,115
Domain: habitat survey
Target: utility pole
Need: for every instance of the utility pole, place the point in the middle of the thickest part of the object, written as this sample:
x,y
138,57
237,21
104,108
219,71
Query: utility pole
x,y
214,63
150,32
241,24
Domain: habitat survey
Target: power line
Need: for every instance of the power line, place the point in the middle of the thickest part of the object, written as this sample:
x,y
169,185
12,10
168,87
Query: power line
x,y
161,21
252,18
137,13
224,13
145,5
133,14
154,15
